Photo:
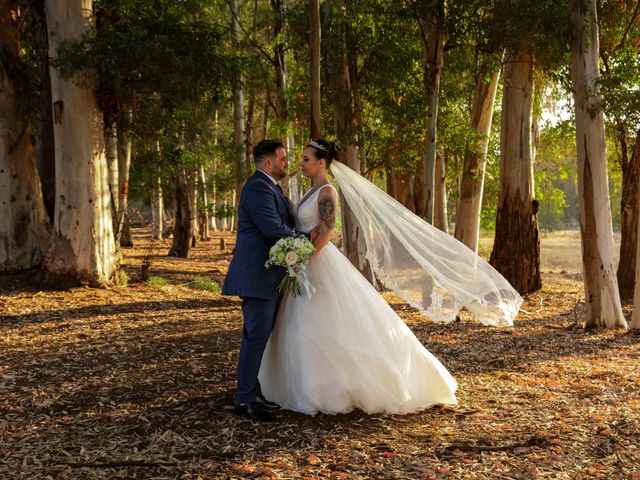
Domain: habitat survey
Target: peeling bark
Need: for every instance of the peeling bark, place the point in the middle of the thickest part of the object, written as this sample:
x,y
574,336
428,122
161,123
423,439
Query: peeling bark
x,y
516,247
440,192
433,36
314,45
24,224
83,248
629,219
238,108
600,283
182,225
472,185
123,235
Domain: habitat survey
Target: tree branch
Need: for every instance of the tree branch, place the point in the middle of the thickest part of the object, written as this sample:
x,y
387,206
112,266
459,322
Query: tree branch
x,y
626,30
248,37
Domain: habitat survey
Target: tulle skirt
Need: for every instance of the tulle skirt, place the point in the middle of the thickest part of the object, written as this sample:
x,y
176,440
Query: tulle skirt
x,y
346,348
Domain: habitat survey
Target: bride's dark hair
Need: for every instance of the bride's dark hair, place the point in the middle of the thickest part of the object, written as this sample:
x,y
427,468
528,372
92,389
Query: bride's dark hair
x,y
325,149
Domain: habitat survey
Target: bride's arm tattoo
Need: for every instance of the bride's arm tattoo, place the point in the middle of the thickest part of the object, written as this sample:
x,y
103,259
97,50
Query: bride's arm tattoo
x,y
327,211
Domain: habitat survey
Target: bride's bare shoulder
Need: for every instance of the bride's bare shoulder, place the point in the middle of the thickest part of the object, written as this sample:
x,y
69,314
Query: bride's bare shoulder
x,y
324,191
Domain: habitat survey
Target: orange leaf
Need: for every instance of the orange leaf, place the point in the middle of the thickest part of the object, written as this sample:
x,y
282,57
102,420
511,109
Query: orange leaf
x,y
244,469
504,427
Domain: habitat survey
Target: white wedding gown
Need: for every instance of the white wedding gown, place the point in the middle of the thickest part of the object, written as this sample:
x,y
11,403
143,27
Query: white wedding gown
x,y
345,347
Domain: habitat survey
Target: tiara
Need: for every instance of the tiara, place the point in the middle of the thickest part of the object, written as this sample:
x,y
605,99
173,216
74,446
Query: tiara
x,y
315,144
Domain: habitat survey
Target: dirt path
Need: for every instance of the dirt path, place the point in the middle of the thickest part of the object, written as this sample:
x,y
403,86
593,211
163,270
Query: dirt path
x,y
137,382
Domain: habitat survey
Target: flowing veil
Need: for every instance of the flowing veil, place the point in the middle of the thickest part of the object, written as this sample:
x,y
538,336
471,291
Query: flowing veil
x,y
426,267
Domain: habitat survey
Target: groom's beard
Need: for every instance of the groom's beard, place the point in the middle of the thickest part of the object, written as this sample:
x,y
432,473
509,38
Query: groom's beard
x,y
278,174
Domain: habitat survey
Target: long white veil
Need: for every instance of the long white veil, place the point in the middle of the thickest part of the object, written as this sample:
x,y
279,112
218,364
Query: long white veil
x,y
426,267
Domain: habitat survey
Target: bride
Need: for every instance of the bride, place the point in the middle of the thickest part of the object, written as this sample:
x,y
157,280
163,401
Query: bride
x,y
344,347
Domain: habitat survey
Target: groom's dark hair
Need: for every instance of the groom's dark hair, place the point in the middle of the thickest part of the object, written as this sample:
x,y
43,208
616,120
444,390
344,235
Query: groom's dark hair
x,y
265,148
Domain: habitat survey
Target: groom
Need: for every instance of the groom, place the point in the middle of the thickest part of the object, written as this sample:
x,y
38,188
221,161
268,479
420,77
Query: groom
x,y
264,217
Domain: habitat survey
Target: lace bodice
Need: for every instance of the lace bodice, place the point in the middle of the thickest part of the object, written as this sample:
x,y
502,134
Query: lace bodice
x,y
306,212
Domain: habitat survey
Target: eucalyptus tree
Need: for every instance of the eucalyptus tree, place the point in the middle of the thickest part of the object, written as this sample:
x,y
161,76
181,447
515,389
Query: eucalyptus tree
x,y
534,38
239,134
24,223
474,26
431,19
619,28
83,243
600,284
314,68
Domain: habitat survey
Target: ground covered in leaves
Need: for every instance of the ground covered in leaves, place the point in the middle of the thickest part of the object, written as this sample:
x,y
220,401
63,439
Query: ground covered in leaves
x,y
138,381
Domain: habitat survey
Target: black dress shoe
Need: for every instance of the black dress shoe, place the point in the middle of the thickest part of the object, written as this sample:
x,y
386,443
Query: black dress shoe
x,y
260,399
254,411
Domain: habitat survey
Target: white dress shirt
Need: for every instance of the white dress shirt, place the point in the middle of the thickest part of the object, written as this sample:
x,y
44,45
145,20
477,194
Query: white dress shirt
x,y
275,182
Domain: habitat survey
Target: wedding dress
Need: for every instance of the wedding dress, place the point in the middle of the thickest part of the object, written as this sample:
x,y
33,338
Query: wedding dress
x,y
345,347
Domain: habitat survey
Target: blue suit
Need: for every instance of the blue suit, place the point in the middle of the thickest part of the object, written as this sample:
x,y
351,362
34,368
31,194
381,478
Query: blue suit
x,y
264,217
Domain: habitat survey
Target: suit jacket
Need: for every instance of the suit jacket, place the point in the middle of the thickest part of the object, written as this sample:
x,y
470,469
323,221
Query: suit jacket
x,y
264,217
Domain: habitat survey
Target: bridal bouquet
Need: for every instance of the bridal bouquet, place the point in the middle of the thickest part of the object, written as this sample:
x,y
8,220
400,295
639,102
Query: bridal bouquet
x,y
292,253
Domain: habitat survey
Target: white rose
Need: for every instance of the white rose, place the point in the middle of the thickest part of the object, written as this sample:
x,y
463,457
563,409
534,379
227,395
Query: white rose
x,y
291,258
298,243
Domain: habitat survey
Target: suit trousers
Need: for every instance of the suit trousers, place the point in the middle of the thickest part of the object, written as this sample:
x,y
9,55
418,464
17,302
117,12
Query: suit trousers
x,y
259,317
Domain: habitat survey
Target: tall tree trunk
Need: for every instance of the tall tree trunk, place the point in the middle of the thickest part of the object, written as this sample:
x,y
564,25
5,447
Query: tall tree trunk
x,y
417,189
238,108
399,186
215,224
214,186
182,229
157,202
111,152
635,317
475,158
24,223
629,216
433,37
192,198
280,62
232,220
83,247
440,192
343,116
265,113
516,247
249,128
123,233
157,210
224,221
314,44
294,188
358,121
600,283
204,215
535,141
45,149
